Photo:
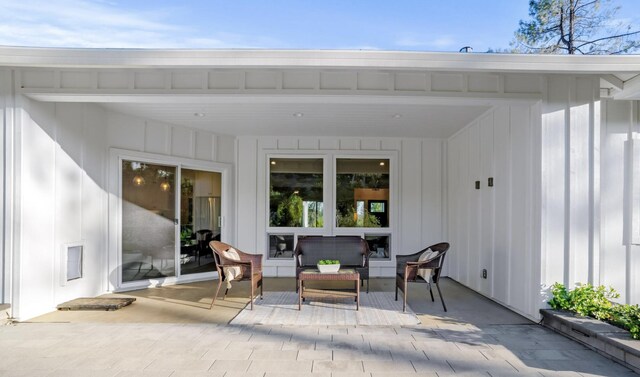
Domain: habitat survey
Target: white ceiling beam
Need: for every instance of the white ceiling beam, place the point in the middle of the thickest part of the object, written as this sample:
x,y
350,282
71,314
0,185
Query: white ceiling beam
x,y
453,99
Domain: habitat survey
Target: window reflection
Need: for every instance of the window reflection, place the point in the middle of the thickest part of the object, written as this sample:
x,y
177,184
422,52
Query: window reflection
x,y
148,213
295,195
362,193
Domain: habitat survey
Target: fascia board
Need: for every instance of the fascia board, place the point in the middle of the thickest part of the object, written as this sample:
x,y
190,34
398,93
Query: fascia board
x,y
338,59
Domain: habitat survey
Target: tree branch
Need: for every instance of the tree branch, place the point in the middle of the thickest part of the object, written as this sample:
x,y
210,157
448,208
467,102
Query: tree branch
x,y
578,7
610,37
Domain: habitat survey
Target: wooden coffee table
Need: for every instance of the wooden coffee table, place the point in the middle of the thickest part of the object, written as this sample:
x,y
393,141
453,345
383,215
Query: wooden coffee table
x,y
341,275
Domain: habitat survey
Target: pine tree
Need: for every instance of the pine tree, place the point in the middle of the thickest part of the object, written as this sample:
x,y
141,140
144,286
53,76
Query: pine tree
x,y
575,27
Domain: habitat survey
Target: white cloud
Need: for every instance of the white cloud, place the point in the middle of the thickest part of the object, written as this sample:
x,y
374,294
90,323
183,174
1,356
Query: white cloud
x,y
443,41
101,23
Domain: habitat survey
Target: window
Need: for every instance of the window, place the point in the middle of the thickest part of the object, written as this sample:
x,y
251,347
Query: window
x,y
378,245
295,192
362,192
281,246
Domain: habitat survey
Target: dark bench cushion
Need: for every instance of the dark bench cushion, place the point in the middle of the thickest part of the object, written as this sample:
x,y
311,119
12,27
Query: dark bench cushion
x,y
351,251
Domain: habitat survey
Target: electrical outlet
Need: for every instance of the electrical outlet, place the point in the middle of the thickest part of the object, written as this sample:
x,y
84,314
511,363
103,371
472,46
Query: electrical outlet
x,y
484,273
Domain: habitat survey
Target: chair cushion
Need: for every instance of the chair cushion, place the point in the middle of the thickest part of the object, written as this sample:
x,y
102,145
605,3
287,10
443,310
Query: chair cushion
x,y
425,273
235,272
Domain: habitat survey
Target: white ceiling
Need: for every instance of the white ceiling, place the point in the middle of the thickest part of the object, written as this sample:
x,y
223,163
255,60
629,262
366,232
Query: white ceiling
x,y
317,119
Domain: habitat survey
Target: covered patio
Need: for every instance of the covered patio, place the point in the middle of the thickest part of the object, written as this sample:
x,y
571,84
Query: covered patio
x,y
119,164
169,331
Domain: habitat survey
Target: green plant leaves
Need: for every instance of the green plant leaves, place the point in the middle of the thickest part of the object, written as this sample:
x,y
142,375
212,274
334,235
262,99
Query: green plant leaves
x,y
595,302
328,261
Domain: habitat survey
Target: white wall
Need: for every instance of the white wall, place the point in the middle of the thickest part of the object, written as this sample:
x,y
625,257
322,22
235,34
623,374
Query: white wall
x,y
619,262
142,135
566,200
61,191
570,182
175,144
5,113
590,189
493,228
418,205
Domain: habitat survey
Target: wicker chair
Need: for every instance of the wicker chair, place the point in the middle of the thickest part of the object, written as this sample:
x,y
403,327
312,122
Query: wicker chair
x,y
407,271
250,266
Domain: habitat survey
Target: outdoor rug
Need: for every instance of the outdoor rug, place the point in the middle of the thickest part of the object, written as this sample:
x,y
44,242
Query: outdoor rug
x,y
281,308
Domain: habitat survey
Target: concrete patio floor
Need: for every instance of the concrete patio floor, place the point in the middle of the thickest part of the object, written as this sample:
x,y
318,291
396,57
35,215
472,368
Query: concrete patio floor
x,y
170,331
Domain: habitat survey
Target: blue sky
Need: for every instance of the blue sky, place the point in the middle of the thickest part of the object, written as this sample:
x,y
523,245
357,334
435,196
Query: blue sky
x,y
427,25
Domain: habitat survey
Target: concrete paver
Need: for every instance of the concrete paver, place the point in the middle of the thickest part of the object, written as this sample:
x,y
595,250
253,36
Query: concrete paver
x,y
457,343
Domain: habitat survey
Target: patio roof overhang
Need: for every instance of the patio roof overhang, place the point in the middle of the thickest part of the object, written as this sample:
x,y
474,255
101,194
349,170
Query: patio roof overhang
x,y
338,93
179,58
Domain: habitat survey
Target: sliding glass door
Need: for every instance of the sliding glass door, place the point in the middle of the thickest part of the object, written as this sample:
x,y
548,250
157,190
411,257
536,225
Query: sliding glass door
x,y
169,216
200,219
148,221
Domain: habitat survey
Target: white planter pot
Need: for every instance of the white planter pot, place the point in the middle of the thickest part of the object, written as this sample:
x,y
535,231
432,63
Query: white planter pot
x,y
328,268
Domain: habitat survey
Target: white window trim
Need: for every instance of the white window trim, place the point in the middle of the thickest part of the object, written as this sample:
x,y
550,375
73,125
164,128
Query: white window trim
x,y
116,156
329,194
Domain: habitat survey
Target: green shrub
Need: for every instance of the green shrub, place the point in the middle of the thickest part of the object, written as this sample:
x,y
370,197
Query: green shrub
x,y
627,317
587,300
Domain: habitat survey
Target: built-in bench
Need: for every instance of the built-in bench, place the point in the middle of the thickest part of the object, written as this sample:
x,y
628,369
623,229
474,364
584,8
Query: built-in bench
x,y
351,251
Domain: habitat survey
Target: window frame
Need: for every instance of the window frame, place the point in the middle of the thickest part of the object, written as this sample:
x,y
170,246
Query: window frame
x,y
392,202
329,182
291,229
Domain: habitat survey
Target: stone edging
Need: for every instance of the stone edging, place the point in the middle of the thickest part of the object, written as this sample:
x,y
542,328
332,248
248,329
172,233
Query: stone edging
x,y
606,339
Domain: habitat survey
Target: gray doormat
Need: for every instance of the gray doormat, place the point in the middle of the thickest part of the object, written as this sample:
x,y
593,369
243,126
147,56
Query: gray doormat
x,y
97,303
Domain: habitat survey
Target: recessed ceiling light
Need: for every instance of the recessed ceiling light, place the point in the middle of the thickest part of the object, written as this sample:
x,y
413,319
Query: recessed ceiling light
x,y
381,163
199,115
397,116
298,115
273,162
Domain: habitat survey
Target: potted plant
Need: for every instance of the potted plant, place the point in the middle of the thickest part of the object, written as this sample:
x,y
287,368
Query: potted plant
x,y
328,265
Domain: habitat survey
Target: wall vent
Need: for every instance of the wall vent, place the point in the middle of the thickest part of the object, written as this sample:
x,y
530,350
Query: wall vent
x,y
74,262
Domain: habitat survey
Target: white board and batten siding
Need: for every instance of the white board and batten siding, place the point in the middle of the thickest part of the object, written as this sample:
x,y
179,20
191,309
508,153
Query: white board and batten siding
x,y
6,115
570,197
416,208
619,263
564,201
492,227
589,198
138,134
63,195
62,201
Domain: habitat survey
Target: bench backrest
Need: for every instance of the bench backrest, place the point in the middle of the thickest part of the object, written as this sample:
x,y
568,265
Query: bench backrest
x,y
349,250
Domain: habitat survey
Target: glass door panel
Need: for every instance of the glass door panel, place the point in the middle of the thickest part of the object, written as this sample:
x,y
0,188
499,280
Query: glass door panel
x,y
148,227
200,204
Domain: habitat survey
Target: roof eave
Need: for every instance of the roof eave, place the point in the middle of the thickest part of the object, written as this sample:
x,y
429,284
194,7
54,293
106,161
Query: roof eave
x,y
341,59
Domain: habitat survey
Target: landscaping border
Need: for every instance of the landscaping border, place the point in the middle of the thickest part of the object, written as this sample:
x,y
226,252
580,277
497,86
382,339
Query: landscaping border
x,y
608,340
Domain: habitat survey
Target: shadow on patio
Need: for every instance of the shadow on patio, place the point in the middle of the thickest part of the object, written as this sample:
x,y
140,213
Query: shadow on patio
x,y
476,337
189,303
